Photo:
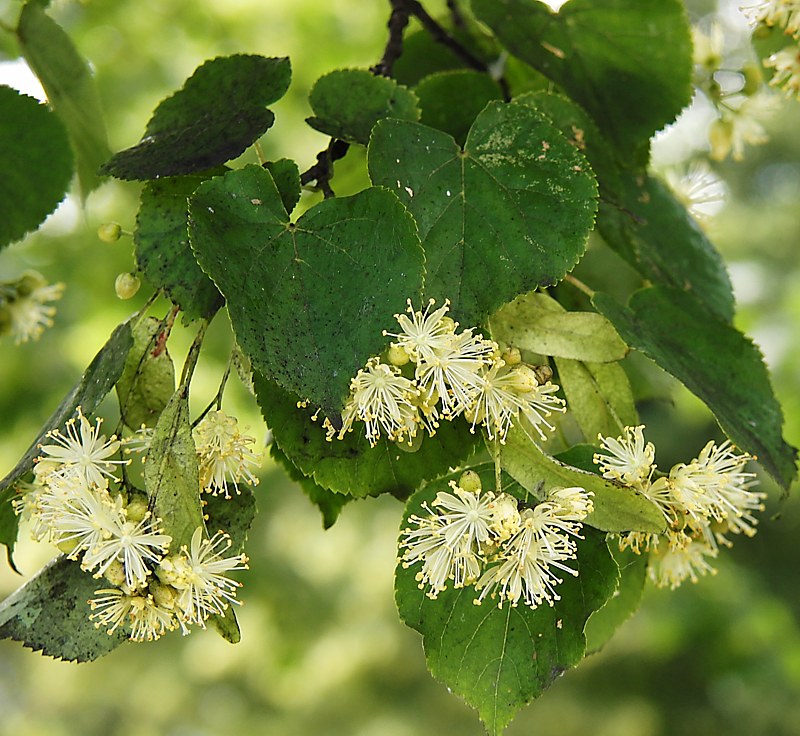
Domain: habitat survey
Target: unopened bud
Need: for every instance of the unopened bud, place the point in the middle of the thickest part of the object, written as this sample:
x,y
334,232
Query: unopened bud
x,y
115,573
67,546
127,285
511,356
397,355
137,508
410,444
163,595
109,232
470,482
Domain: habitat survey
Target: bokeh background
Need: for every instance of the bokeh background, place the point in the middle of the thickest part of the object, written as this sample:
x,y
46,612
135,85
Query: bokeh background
x,y
323,651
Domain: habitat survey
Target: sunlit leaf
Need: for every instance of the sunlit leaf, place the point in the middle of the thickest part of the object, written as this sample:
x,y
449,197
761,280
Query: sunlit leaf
x,y
69,84
37,162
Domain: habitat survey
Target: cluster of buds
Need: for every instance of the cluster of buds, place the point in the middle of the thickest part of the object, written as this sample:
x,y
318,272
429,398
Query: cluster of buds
x,y
437,373
78,503
703,502
507,550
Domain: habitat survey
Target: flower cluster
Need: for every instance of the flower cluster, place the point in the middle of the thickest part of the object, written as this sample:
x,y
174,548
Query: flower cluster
x,y
507,551
24,309
702,502
784,15
699,189
225,456
436,373
77,503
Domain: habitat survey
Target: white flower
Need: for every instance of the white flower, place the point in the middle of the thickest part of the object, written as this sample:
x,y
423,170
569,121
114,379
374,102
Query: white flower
x,y
140,440
708,47
467,517
786,63
23,310
740,126
453,372
199,575
540,403
134,545
79,518
424,333
679,558
84,451
782,13
382,399
627,459
525,570
224,453
145,619
699,190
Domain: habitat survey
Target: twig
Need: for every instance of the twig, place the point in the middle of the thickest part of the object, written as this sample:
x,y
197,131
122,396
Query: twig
x,y
322,171
191,359
398,21
578,284
455,14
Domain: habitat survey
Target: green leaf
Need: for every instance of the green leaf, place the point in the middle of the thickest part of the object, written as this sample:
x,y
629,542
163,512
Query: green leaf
x,y
347,103
37,164
162,246
582,132
69,84
286,176
171,476
97,380
234,516
217,114
350,466
50,613
599,397
715,362
538,323
329,503
148,379
658,237
628,62
308,300
603,623
616,507
450,101
509,212
498,660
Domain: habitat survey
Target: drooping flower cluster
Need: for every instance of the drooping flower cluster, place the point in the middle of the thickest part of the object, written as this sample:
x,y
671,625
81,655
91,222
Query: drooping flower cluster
x,y
24,309
508,552
78,503
225,456
784,15
703,502
436,373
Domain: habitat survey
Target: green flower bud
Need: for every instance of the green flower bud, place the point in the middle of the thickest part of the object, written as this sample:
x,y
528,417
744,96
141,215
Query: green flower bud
x,y
109,232
470,482
127,285
137,508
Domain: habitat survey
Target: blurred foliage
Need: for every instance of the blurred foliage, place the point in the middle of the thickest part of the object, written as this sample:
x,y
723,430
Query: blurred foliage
x,y
323,650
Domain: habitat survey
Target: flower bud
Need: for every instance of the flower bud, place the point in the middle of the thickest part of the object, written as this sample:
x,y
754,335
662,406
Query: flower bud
x,y
397,355
163,595
137,508
470,482
109,232
127,285
115,573
753,78
511,356
720,136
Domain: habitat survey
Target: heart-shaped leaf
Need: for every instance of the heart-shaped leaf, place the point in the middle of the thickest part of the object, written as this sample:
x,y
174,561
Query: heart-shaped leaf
x,y
509,212
628,62
308,300
496,659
